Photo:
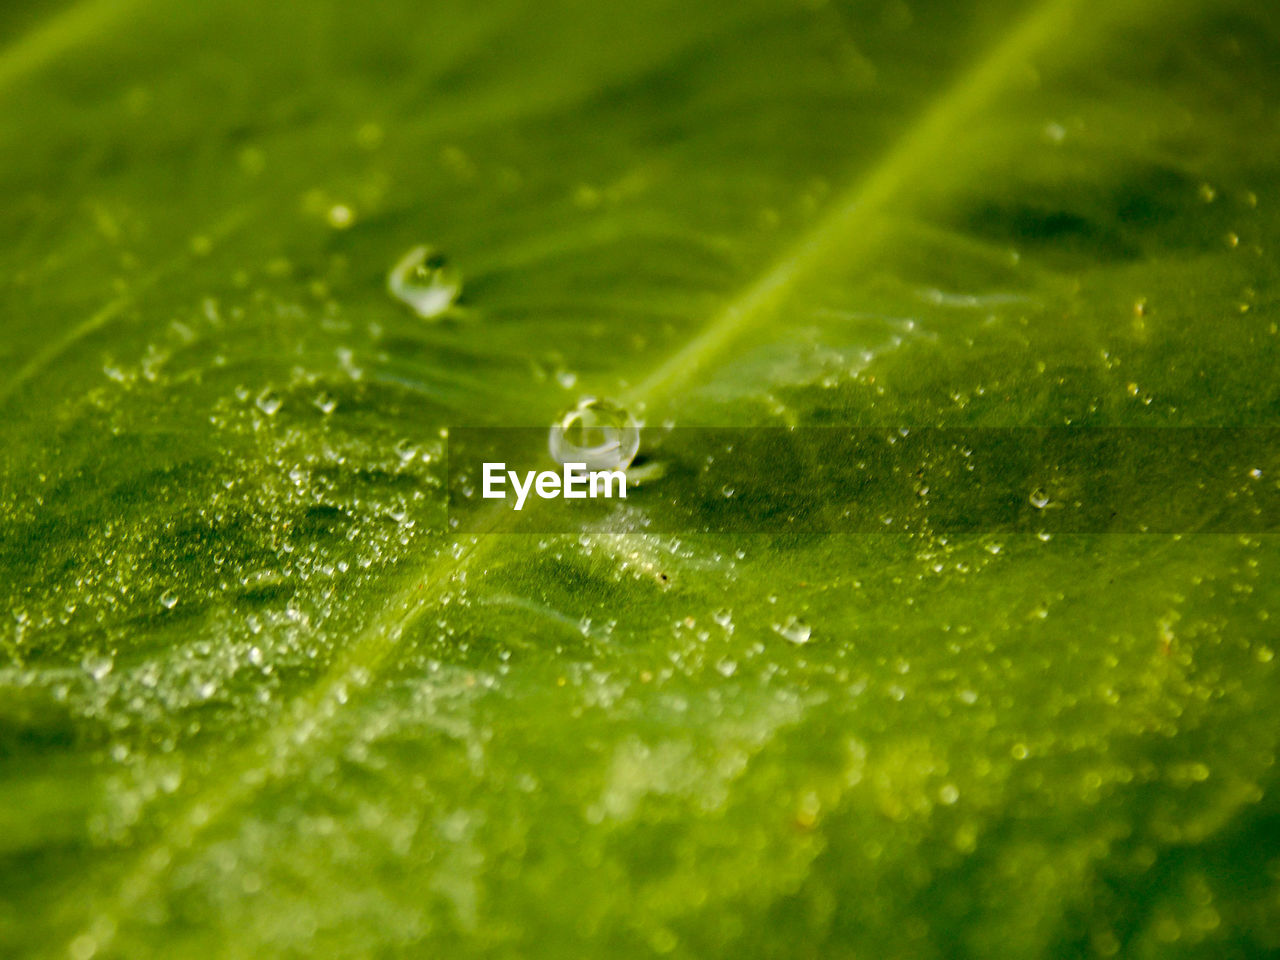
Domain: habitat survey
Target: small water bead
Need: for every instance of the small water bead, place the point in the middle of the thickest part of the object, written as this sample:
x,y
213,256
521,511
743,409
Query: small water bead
x,y
598,433
405,449
370,136
268,401
794,629
325,402
1039,499
340,216
97,665
168,599
425,281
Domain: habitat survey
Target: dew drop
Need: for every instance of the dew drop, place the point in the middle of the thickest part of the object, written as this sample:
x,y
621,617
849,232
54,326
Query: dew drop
x,y
423,280
794,629
370,136
325,402
1039,499
97,665
268,401
83,947
405,449
168,599
340,216
598,433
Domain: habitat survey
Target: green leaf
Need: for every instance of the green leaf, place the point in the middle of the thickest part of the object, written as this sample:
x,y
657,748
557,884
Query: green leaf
x,y
256,699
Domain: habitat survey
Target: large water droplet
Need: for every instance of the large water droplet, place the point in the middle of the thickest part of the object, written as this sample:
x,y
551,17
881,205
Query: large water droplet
x,y
425,281
598,433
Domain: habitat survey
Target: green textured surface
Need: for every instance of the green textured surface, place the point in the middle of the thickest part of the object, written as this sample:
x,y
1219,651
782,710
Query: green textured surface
x,y
255,702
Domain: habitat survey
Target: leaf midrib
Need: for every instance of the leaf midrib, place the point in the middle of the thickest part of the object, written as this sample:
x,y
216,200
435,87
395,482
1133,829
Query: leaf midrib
x,y
848,230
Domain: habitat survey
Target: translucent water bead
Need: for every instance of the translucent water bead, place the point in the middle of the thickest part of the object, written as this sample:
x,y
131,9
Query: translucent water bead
x,y
424,280
598,433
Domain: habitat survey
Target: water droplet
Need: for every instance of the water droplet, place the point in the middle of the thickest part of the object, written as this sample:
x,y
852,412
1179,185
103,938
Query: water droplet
x,y
97,665
252,161
598,433
83,947
794,629
370,136
1039,499
567,379
168,599
340,216
726,491
405,449
423,280
268,401
325,402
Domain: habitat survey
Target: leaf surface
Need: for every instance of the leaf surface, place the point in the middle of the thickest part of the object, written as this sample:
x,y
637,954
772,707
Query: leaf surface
x,y
257,700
